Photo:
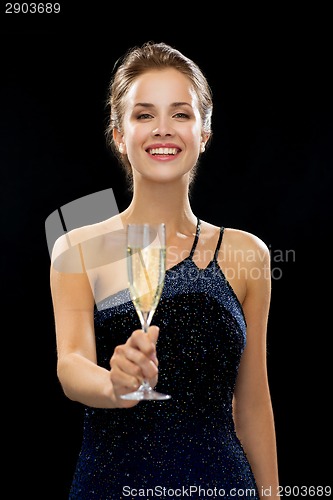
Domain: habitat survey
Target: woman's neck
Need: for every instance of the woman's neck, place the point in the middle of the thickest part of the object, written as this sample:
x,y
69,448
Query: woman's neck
x,y
156,202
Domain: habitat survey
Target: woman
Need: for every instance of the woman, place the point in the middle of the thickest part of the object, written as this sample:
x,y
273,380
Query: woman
x,y
207,347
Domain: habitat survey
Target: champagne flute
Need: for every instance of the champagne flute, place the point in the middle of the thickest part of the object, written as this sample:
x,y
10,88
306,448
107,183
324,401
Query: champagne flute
x,y
146,256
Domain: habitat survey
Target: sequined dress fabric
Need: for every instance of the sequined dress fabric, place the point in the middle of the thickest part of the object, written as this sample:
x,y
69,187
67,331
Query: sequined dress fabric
x,y
187,446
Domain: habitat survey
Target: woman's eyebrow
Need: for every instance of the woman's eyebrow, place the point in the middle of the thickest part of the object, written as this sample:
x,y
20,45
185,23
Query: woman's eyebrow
x,y
172,105
143,105
180,103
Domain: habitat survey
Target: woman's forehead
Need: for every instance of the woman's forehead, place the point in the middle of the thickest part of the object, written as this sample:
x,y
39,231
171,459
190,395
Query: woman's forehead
x,y
168,85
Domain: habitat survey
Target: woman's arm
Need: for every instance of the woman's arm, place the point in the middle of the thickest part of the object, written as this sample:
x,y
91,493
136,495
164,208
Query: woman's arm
x,y
81,378
252,402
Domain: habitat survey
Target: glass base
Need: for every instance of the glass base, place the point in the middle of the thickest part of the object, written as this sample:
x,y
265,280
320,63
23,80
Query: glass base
x,y
145,394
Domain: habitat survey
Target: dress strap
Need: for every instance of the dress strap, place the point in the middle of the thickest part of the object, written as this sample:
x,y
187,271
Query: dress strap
x,y
196,238
219,243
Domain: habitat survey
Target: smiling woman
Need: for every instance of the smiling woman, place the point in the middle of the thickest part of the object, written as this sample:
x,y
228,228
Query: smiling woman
x,y
161,139
207,346
146,97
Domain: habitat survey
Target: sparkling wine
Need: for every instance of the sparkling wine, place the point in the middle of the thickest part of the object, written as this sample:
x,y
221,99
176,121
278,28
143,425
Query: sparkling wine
x,y
146,257
146,270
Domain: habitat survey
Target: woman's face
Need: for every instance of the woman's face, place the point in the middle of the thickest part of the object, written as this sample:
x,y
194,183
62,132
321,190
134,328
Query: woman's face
x,y
162,128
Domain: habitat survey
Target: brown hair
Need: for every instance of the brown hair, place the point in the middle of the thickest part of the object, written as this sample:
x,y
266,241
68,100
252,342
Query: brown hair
x,y
139,60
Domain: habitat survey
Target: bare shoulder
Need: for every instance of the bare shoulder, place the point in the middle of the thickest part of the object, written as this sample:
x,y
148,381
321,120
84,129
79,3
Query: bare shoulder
x,y
239,238
236,240
247,256
69,247
246,248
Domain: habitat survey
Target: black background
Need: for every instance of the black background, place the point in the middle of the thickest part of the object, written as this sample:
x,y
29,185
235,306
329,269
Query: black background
x,y
267,171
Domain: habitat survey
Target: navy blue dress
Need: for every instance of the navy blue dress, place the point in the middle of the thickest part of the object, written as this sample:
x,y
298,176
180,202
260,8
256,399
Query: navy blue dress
x,y
185,446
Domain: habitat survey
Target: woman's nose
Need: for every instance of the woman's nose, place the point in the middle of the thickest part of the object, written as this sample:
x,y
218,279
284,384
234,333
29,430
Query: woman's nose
x,y
163,129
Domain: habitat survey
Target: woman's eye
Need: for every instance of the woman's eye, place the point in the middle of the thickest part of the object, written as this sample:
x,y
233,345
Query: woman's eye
x,y
144,116
181,115
148,116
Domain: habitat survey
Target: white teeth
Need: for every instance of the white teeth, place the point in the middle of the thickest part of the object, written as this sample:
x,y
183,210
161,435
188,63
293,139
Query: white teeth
x,y
163,151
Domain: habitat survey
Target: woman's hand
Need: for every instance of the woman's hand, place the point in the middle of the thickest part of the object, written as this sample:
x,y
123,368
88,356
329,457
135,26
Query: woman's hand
x,y
133,362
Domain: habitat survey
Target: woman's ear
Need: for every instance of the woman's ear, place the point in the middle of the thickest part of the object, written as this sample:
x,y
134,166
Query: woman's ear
x,y
204,140
119,141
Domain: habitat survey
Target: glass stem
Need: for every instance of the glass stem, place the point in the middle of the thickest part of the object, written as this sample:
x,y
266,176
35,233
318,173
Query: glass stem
x,y
145,324
145,386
